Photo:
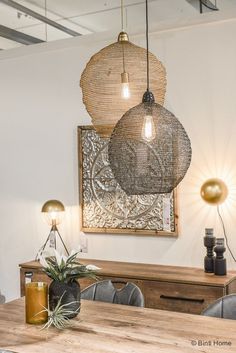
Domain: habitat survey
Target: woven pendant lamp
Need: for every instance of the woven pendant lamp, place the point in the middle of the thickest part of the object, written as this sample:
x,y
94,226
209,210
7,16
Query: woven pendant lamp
x,y
111,68
149,150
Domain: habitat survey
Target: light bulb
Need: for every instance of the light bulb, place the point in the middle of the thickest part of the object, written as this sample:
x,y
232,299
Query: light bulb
x,y
53,211
148,129
53,215
125,91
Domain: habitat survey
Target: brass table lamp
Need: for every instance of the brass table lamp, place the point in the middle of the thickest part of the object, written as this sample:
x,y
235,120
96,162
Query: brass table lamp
x,y
53,210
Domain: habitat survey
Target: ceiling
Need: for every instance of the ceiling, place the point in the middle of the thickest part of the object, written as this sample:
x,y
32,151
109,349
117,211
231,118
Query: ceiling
x,y
85,17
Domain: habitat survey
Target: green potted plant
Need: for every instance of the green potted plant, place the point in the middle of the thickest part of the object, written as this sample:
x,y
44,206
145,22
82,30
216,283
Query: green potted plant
x,y
65,272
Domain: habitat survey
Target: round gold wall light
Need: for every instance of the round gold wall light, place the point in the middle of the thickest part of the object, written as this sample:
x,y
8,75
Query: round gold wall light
x,y
214,191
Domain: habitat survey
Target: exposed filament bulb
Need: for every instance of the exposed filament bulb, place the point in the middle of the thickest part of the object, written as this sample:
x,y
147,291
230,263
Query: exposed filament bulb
x,y
148,128
125,91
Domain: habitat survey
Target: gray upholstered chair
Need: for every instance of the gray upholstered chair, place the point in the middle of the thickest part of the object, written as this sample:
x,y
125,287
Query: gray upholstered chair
x,y
104,291
224,307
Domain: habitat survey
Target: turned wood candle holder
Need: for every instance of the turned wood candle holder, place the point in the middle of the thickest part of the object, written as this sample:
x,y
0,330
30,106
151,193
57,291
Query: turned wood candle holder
x,y
209,243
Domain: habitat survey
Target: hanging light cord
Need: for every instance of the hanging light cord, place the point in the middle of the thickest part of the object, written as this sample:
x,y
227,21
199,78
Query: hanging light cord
x,y
46,26
122,15
224,231
122,29
147,41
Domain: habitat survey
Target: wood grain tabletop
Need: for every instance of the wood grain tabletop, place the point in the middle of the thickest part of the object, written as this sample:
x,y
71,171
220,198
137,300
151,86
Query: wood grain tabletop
x,y
112,328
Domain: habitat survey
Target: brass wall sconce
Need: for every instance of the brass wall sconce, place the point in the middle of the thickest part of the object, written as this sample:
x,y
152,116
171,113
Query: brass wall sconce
x,y
214,191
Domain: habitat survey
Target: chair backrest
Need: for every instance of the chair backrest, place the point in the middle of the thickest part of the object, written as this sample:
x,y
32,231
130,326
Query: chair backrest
x,y
104,291
224,307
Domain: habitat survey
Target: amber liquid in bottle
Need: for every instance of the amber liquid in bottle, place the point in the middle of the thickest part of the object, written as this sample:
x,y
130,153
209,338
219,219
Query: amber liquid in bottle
x,y
36,300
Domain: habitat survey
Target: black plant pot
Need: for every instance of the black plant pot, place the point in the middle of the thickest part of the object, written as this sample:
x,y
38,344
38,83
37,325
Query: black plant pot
x,y
70,292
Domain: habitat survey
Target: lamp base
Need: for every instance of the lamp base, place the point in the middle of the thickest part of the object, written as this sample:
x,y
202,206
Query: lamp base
x,y
55,230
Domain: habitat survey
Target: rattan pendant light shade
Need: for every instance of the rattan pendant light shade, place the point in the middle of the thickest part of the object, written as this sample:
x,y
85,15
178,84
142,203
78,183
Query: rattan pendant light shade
x,y
101,82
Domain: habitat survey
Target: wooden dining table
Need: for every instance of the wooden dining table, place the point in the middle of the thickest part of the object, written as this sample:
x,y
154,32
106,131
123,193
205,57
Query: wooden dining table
x,y
103,327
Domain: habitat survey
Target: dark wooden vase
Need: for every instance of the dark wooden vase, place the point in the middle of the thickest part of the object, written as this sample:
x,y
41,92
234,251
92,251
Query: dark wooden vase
x,y
70,292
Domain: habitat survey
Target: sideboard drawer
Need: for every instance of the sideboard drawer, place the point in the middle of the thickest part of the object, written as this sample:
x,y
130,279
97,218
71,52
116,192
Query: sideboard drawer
x,y
188,298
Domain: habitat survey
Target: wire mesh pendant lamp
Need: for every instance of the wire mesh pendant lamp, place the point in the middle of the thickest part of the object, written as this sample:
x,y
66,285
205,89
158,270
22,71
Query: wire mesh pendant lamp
x,y
149,150
113,81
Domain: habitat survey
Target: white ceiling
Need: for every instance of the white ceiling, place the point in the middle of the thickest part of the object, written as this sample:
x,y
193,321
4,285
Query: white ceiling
x,y
94,16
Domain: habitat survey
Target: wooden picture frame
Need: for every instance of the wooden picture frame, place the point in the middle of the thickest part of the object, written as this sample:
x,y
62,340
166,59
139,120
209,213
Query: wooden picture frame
x,y
99,202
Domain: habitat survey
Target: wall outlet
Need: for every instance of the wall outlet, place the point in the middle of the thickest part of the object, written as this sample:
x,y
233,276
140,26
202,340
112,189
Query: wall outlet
x,y
83,242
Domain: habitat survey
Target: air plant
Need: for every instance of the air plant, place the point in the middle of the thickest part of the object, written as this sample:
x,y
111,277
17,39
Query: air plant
x,y
59,316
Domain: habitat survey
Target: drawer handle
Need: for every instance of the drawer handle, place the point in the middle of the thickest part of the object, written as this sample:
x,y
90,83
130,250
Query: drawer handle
x,y
162,296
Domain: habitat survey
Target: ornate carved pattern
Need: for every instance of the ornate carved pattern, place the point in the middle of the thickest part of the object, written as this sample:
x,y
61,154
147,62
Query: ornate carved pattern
x,y
106,205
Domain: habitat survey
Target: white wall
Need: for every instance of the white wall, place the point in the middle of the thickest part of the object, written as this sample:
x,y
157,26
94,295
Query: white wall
x,y
40,108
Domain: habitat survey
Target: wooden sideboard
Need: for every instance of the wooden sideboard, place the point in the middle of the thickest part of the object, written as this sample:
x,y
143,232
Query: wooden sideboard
x,y
182,289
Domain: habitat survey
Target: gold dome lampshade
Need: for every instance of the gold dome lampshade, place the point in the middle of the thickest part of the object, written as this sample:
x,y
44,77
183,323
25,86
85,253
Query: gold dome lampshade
x,y
214,191
53,211
53,206
101,82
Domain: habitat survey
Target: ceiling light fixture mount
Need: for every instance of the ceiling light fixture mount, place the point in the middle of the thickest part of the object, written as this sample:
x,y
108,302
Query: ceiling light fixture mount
x,y
204,5
208,4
